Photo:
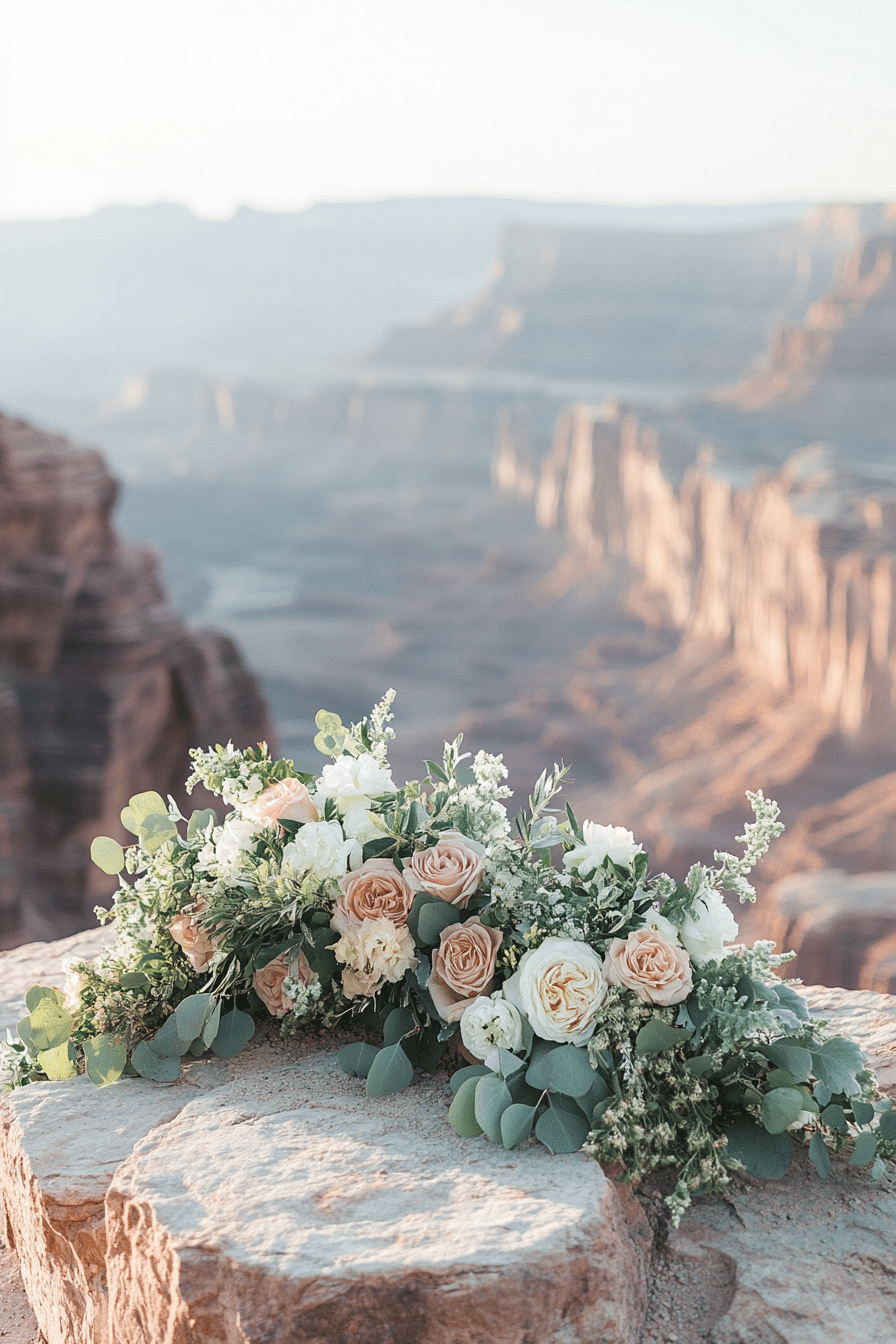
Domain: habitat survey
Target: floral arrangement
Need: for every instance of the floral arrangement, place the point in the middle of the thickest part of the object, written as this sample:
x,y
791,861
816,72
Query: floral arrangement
x,y
599,1007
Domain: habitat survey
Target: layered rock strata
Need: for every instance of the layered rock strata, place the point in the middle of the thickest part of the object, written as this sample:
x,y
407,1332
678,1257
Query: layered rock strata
x,y
103,687
267,1199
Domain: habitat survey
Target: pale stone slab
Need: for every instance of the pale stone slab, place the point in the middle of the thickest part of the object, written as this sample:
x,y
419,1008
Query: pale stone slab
x,y
289,1207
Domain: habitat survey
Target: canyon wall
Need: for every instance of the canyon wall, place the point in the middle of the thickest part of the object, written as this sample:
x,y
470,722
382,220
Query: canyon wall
x,y
102,687
794,571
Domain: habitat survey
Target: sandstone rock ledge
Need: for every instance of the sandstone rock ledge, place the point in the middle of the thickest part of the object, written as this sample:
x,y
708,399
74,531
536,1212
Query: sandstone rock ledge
x,y
266,1199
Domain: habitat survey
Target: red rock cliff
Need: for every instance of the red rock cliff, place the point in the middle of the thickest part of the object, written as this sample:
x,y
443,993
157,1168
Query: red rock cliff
x,y
102,687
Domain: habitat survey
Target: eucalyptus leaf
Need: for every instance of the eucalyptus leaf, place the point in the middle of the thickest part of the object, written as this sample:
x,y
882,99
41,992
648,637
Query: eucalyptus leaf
x,y
834,1117
536,1074
107,854
133,980
168,1042
434,918
863,1112
792,1056
150,1064
26,1036
561,1131
191,1015
397,1025
462,1076
51,1025
781,1108
504,1062
492,1100
236,1030
199,822
516,1124
836,1063
104,1058
390,1072
765,1155
58,1062
210,1030
865,1150
822,1094
569,1070
155,831
462,1111
144,805
356,1059
888,1125
656,1036
38,992
820,1156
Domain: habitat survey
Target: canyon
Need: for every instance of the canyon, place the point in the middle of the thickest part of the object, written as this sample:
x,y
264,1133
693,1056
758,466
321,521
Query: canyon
x,y
669,564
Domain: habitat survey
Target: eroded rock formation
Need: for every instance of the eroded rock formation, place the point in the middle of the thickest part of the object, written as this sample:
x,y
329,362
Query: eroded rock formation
x,y
103,687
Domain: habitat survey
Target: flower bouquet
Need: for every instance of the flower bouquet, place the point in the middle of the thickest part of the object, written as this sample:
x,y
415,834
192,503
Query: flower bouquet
x,y
598,1006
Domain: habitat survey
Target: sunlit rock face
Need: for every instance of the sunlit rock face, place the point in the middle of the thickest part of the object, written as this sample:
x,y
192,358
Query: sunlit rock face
x,y
103,688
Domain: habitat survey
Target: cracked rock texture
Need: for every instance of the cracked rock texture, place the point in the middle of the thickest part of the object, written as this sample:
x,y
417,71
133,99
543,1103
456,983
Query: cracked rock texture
x,y
266,1199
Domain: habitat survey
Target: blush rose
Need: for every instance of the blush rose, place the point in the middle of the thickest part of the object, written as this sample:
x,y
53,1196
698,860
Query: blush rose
x,y
287,800
451,869
651,967
268,982
375,890
463,966
198,946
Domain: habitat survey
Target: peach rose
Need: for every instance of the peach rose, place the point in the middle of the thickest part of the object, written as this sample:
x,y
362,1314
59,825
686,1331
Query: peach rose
x,y
287,800
376,890
197,944
451,869
463,966
268,982
649,965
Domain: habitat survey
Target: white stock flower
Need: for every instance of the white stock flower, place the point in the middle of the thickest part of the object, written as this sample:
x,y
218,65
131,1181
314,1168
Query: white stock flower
x,y
560,986
707,928
353,781
601,842
320,847
660,924
489,1023
233,839
360,827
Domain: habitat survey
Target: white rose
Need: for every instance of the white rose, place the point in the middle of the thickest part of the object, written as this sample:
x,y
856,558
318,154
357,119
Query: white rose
x,y
353,781
709,926
320,847
660,924
233,839
490,1023
560,986
601,842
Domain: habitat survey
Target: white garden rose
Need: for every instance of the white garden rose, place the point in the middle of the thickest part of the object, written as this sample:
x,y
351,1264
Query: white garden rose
x,y
707,928
490,1023
560,987
660,924
353,781
320,847
601,842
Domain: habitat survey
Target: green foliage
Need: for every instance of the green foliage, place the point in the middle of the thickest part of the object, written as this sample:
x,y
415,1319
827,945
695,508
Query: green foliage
x,y
104,1059
356,1059
235,1030
462,1111
150,1064
58,1062
761,1153
390,1072
560,1130
107,854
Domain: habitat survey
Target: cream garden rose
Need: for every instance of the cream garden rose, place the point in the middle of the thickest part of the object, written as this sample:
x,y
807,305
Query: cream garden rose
x,y
374,953
286,800
650,966
463,966
560,987
451,869
268,983
376,889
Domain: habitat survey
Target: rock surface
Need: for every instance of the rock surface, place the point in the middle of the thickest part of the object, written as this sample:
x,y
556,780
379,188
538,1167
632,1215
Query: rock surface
x,y
102,687
266,1199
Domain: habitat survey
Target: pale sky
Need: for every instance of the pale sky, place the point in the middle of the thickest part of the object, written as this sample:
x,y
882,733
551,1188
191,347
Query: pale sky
x,y
281,103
